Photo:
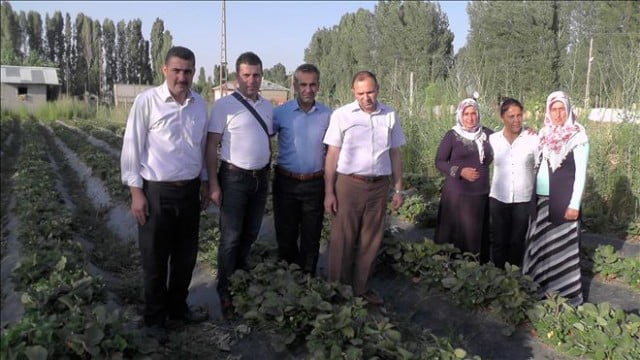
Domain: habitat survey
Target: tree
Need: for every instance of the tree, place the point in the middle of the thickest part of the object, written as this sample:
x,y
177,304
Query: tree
x,y
122,59
9,35
201,85
80,71
157,46
277,74
69,51
54,32
34,33
513,48
134,51
109,46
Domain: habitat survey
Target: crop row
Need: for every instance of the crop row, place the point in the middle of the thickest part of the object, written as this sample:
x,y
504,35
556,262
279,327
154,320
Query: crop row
x,y
98,132
64,310
102,164
325,318
511,296
610,265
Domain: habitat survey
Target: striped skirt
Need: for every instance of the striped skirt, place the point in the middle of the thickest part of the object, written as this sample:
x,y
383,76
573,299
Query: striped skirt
x,y
552,257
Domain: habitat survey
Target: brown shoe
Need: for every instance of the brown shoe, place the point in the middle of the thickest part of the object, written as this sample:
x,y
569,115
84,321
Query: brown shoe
x,y
372,298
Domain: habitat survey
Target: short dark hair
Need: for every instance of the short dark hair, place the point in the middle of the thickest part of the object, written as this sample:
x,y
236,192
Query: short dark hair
x,y
182,53
306,68
361,75
507,102
248,58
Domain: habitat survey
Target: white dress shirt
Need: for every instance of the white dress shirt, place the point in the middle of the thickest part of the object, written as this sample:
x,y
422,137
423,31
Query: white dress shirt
x,y
244,142
163,140
513,167
364,139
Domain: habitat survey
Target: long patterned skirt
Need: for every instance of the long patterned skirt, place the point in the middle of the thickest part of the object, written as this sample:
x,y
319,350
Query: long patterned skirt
x,y
552,257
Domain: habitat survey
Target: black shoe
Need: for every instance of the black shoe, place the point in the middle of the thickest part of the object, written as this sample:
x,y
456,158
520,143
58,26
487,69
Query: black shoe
x,y
191,317
228,311
157,332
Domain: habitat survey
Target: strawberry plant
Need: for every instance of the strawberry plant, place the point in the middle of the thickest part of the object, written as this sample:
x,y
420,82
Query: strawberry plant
x,y
596,331
607,263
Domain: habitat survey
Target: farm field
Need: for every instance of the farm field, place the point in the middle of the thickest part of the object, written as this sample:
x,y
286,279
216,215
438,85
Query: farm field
x,y
71,278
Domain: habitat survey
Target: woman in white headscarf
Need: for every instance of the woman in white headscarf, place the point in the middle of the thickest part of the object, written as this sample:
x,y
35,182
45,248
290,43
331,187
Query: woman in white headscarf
x,y
463,157
552,257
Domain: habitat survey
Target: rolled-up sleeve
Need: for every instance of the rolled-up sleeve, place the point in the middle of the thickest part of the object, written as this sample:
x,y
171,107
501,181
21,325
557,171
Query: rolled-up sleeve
x,y
333,136
134,142
397,135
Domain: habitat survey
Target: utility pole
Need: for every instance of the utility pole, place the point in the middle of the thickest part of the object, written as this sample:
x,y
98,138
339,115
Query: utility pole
x,y
411,93
586,90
223,51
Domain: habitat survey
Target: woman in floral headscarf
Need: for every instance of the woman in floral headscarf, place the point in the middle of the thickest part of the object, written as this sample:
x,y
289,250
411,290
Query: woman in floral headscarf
x,y
552,257
463,157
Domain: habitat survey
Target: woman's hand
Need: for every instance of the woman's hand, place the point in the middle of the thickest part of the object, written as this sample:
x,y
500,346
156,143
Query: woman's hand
x,y
571,214
469,174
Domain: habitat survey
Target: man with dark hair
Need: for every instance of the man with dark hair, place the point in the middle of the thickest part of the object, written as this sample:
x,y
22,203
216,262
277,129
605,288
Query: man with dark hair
x,y
241,125
363,142
298,187
162,162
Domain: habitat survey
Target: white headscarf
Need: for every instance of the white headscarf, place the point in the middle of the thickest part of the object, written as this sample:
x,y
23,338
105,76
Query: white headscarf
x,y
476,134
556,141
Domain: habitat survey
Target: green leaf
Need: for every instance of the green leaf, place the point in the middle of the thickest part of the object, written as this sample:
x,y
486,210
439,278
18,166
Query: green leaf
x,y
449,282
36,352
62,263
93,335
459,353
348,332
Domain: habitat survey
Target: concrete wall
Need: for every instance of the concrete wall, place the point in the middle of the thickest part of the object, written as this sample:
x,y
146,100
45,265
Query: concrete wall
x,y
36,96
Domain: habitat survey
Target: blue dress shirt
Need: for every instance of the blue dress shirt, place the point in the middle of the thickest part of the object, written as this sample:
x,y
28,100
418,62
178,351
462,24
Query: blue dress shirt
x,y
300,135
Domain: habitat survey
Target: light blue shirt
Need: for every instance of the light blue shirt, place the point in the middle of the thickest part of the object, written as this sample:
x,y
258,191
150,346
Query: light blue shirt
x,y
300,134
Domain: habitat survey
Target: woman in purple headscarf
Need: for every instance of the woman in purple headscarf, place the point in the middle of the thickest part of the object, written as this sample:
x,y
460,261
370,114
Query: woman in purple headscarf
x,y
552,257
463,157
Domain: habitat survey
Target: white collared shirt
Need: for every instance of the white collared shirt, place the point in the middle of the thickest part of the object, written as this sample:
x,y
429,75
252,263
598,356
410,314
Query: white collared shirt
x,y
163,140
513,167
243,142
364,139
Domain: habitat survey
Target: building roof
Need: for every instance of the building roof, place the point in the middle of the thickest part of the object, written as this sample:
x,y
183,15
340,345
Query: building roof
x,y
266,85
28,75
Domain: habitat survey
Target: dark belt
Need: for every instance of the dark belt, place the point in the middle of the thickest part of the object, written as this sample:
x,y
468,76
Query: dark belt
x,y
179,183
367,179
299,176
232,167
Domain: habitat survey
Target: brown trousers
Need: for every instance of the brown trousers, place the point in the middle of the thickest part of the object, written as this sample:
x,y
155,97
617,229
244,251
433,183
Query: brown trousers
x,y
356,231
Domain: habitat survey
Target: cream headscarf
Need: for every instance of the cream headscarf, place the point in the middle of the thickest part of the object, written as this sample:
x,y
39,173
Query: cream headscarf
x,y
476,134
556,141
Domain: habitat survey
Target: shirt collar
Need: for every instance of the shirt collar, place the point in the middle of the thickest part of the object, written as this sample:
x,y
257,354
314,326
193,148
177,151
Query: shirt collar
x,y
260,98
296,106
166,94
354,106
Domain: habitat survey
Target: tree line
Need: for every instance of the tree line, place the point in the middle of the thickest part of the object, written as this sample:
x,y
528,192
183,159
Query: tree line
x,y
523,49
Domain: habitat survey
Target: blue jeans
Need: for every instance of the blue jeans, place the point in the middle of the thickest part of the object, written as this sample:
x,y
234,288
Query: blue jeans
x,y
244,196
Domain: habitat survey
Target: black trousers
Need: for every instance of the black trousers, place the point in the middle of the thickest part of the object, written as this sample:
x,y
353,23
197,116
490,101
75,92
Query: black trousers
x,y
169,245
244,196
298,212
509,223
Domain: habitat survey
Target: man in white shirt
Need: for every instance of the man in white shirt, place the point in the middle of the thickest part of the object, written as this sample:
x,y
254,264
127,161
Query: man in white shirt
x,y
162,162
363,141
241,125
514,163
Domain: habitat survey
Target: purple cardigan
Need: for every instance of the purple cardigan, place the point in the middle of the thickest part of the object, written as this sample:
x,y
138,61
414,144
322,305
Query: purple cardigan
x,y
455,153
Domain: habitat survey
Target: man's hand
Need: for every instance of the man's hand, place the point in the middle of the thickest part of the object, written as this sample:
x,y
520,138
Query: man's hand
x,y
330,204
215,193
397,200
204,195
139,207
469,174
571,214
